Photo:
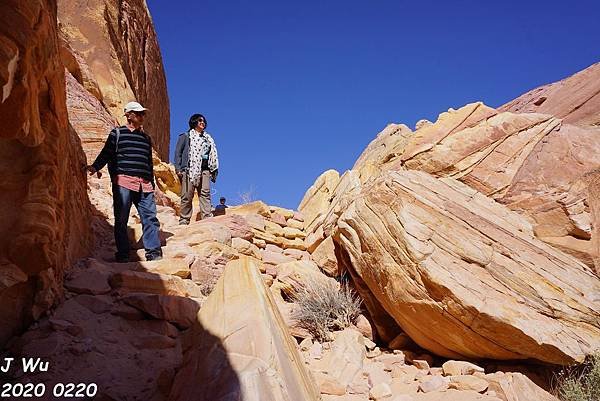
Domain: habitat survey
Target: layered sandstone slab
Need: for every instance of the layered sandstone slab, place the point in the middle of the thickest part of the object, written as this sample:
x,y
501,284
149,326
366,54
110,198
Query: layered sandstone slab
x,y
509,157
43,203
575,99
464,276
115,43
88,117
317,198
592,180
240,347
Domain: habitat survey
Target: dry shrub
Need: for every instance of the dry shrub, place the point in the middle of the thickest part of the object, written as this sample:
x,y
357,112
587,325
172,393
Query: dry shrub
x,y
247,196
581,384
323,306
208,284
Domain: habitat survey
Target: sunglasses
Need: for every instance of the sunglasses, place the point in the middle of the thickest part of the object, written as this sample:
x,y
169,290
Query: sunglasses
x,y
140,113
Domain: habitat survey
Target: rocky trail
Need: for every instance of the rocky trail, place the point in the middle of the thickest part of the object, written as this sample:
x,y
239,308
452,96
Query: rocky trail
x,y
148,331
471,243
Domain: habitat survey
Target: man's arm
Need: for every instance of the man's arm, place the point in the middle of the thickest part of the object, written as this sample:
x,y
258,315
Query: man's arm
x,y
179,153
107,152
151,161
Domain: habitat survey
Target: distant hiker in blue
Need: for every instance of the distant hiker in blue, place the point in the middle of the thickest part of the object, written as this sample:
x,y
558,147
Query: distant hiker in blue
x,y
196,164
128,153
220,208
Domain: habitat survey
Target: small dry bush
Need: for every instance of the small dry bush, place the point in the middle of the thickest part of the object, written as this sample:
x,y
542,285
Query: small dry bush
x,y
582,384
323,306
247,196
208,284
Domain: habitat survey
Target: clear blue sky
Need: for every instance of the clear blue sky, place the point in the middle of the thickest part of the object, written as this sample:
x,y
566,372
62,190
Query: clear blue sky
x,y
291,89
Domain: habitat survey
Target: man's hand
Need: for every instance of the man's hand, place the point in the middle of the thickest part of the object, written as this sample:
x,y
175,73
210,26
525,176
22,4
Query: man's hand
x,y
91,170
213,175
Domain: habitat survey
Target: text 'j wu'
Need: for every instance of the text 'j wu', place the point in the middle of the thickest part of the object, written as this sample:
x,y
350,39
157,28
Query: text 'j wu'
x,y
29,365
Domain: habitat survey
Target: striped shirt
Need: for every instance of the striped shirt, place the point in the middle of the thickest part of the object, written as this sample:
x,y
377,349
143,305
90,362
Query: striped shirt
x,y
132,155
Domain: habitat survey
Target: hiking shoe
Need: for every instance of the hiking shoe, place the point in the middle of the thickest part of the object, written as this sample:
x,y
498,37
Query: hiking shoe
x,y
122,259
150,258
184,223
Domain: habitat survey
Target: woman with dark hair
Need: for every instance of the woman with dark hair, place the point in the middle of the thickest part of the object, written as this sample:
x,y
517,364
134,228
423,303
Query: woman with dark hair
x,y
196,164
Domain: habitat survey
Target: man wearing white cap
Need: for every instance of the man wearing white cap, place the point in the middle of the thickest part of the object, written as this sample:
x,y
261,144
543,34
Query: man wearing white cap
x,y
128,153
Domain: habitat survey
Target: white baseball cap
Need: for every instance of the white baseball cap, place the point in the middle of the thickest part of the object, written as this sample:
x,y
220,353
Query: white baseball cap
x,y
134,106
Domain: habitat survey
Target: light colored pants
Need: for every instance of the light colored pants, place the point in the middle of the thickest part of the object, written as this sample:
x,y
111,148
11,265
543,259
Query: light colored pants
x,y
187,195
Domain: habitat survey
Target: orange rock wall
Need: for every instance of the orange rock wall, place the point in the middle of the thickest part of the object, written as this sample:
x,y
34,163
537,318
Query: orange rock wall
x,y
43,202
113,52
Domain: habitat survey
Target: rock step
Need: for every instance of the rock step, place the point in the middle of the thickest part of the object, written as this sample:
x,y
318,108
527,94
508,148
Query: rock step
x,y
240,333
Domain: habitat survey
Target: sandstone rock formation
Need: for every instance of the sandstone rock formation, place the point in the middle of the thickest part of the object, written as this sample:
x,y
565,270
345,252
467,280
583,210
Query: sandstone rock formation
x,y
318,196
240,348
349,368
575,99
111,57
464,276
592,181
88,117
167,182
500,155
113,47
45,211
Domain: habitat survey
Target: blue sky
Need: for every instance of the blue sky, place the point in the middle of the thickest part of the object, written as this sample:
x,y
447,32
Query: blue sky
x,y
291,89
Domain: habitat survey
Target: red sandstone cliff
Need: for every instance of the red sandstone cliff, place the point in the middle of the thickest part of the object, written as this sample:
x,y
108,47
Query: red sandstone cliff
x,y
43,202
111,49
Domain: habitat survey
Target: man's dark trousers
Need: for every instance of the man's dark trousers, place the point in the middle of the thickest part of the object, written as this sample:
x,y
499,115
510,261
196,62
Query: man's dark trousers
x,y
146,207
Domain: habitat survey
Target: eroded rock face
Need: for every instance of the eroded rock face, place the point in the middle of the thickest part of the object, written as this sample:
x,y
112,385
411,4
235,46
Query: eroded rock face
x,y
240,347
575,99
88,117
464,276
509,157
116,42
592,180
318,196
381,149
45,210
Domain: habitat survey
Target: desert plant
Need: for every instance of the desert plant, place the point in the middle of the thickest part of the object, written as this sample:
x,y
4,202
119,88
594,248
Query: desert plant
x,y
582,383
208,284
247,196
323,305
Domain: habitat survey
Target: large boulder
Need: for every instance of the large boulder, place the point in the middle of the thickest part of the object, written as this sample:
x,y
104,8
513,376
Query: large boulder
x,y
240,347
317,198
512,158
167,181
464,276
44,207
509,157
399,148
